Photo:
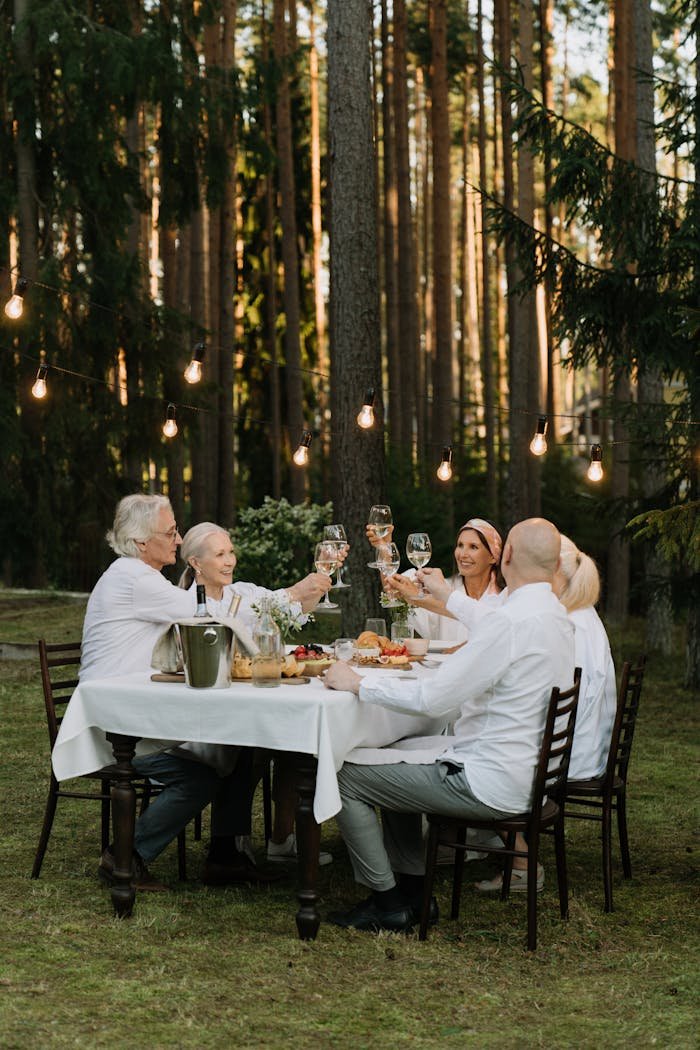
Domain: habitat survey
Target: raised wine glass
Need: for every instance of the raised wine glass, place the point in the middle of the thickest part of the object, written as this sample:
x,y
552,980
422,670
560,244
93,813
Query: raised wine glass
x,y
326,557
337,533
380,521
418,552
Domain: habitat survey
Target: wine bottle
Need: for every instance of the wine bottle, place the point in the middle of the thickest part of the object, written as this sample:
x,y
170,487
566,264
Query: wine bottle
x,y
201,609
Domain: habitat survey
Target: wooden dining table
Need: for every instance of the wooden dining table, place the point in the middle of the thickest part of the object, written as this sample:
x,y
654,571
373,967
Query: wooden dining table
x,y
110,720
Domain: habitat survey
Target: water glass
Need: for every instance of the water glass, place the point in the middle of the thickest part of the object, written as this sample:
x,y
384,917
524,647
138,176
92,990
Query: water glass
x,y
376,625
344,649
400,631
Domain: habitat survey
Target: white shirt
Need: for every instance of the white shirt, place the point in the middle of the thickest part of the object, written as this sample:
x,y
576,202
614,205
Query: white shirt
x,y
597,701
250,595
127,612
499,688
433,625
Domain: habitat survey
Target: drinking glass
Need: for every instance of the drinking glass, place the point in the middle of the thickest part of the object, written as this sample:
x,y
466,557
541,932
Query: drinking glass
x,y
388,559
380,520
344,649
376,625
418,551
326,561
337,533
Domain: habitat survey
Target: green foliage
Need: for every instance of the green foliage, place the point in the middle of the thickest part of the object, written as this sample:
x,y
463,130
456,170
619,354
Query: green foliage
x,y
275,542
675,530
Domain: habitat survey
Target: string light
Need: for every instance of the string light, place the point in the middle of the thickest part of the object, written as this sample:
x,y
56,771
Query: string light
x,y
39,389
193,372
444,471
595,469
365,417
301,456
170,425
538,445
14,306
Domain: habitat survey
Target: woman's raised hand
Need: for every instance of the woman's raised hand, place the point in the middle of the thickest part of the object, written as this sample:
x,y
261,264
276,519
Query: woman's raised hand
x,y
377,541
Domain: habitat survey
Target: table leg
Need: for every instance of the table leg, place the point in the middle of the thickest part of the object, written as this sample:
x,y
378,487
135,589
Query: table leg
x,y
308,844
123,820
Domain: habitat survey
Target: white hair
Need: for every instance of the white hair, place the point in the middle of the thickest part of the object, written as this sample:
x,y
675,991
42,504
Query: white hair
x,y
135,521
193,544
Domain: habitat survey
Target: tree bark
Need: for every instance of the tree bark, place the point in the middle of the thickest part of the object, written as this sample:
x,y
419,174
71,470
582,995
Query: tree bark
x,y
358,455
290,251
390,217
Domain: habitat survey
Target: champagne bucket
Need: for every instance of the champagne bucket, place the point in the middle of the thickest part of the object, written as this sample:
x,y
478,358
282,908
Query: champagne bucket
x,y
207,650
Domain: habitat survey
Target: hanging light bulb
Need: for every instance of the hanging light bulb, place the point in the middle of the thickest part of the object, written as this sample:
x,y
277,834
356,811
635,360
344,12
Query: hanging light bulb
x,y
301,456
39,388
15,304
193,372
595,470
538,445
444,471
170,425
365,417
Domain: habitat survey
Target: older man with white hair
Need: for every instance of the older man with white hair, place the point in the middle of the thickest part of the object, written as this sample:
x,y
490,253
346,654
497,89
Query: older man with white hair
x,y
496,689
130,607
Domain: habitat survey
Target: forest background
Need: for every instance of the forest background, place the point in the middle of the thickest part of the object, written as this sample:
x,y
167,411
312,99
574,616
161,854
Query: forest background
x,y
427,199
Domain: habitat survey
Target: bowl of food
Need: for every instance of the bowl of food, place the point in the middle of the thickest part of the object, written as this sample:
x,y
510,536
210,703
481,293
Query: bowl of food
x,y
417,647
368,652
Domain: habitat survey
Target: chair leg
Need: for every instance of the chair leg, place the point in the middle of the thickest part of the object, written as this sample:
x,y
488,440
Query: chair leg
x,y
458,873
622,829
430,864
508,868
532,852
606,835
267,803
49,813
562,873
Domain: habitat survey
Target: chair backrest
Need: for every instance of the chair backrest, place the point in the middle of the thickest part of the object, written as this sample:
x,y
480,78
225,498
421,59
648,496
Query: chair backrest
x,y
625,720
55,662
555,750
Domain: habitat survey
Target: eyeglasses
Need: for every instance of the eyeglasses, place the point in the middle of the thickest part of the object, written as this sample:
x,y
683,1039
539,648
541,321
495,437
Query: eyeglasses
x,y
170,534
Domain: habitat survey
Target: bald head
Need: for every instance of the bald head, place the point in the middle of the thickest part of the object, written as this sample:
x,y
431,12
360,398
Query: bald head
x,y
531,553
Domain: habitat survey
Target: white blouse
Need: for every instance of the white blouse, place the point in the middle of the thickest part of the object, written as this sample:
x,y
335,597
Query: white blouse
x,y
433,625
250,595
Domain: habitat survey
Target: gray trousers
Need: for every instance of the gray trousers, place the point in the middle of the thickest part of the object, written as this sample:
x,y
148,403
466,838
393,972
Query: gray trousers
x,y
403,792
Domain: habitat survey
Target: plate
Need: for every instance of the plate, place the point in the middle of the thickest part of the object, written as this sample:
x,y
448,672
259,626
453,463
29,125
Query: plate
x,y
437,645
169,676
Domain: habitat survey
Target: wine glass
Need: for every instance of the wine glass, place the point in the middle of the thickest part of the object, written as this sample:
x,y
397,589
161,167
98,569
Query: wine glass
x,y
337,533
380,521
326,560
388,559
418,551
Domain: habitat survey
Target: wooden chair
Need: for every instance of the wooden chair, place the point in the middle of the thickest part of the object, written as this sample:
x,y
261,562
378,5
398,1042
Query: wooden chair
x,y
608,793
59,664
543,817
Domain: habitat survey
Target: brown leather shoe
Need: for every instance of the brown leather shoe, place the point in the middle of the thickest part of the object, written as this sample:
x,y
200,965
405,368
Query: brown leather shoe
x,y
240,870
141,878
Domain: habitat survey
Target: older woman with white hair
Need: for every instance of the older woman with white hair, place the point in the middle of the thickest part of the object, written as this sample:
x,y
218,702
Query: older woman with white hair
x,y
129,608
210,560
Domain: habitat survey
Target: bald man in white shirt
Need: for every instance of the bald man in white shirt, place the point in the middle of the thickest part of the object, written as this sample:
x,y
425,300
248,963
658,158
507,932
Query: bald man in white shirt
x,y
497,690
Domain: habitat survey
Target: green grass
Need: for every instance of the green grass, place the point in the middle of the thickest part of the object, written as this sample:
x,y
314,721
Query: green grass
x,y
223,968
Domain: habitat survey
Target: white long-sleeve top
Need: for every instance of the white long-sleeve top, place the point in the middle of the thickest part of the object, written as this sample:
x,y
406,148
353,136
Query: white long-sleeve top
x,y
598,693
433,625
498,689
597,701
129,608
250,594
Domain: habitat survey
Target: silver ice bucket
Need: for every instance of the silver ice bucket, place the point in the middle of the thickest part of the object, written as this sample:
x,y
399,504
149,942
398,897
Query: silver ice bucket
x,y
207,650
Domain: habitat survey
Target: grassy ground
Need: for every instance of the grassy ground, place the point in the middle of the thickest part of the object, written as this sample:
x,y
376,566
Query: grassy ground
x,y
223,968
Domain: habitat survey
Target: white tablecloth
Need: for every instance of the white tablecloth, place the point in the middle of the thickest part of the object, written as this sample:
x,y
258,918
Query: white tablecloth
x,y
306,718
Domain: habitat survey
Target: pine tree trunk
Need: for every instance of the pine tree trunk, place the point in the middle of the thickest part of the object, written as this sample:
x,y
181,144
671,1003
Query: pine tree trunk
x,y
358,455
442,407
317,230
270,281
290,252
407,306
390,218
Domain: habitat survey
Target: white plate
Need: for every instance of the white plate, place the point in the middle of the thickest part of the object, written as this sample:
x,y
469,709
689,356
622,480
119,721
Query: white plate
x,y
438,645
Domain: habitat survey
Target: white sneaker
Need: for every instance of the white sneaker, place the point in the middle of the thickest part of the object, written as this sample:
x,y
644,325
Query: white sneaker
x,y
244,844
286,852
518,881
